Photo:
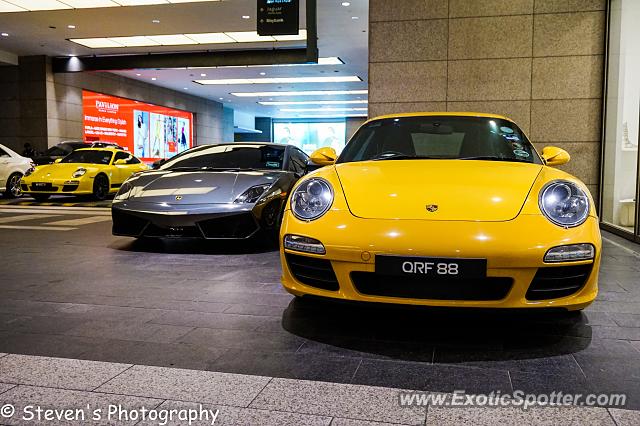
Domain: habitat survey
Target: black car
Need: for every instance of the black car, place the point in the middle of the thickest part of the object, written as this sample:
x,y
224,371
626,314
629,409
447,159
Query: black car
x,y
225,191
63,149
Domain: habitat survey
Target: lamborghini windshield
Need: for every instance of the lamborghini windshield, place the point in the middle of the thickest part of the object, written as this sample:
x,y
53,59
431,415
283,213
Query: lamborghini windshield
x,y
226,157
440,137
90,156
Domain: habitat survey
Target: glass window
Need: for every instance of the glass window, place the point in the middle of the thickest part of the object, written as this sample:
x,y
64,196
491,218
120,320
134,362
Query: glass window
x,y
235,156
440,137
89,156
3,153
620,166
309,136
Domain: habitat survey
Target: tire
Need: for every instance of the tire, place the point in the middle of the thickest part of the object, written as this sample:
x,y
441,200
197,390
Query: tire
x,y
100,187
13,186
41,197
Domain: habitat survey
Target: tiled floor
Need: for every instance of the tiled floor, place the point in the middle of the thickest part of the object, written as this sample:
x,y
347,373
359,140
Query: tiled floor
x,y
243,399
85,294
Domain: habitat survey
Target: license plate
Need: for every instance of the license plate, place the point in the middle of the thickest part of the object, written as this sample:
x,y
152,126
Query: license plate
x,y
41,185
431,267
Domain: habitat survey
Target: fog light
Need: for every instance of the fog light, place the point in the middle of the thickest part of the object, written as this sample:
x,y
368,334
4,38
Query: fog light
x,y
570,253
304,244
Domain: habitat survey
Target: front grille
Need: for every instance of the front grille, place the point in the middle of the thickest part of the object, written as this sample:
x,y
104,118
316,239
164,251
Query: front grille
x,y
229,226
172,232
69,188
127,224
477,289
558,281
312,271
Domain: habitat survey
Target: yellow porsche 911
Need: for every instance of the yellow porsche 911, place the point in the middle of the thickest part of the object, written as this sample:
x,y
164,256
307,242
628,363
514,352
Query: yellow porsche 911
x,y
442,209
86,171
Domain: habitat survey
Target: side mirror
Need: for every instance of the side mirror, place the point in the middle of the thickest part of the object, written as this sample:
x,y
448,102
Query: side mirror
x,y
121,162
555,156
324,156
57,160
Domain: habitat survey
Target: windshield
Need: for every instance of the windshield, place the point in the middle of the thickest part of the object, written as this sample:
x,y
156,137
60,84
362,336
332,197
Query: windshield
x,y
237,156
440,137
88,156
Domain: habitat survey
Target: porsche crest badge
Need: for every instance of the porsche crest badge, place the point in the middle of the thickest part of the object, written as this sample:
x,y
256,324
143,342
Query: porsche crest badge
x,y
431,208
178,197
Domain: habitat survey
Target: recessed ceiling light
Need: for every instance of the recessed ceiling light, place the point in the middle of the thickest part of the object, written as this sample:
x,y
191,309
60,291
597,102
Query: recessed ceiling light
x,y
71,27
96,43
321,109
346,3
134,41
138,74
39,4
300,93
172,39
281,103
246,17
155,21
282,80
5,34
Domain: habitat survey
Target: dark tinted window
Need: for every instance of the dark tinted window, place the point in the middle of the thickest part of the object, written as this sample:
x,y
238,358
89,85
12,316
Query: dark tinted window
x,y
123,155
298,161
88,156
440,137
236,156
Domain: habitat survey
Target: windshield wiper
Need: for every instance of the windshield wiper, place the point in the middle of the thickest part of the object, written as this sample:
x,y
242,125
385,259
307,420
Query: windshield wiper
x,y
494,158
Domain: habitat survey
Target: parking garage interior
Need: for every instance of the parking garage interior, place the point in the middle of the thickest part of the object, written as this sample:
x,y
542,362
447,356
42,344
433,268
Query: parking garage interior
x,y
178,320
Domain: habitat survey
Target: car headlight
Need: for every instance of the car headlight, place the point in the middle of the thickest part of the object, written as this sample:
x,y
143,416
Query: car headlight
x,y
80,172
29,171
124,191
311,199
252,194
564,203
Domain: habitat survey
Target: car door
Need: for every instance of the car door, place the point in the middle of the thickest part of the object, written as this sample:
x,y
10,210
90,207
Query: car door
x,y
5,167
124,171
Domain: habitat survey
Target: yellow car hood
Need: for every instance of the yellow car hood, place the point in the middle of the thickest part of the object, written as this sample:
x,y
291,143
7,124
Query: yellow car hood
x,y
58,171
466,190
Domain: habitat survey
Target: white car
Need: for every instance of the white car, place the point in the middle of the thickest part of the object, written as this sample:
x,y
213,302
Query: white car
x,y
12,167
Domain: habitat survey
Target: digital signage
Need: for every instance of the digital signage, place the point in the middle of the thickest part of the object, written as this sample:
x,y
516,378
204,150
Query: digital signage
x,y
309,136
150,132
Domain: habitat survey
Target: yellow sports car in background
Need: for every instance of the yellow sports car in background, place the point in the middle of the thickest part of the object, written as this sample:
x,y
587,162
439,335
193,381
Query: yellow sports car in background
x,y
442,209
87,171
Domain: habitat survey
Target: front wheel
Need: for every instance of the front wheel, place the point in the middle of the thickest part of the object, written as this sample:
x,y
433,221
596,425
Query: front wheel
x,y
100,187
13,186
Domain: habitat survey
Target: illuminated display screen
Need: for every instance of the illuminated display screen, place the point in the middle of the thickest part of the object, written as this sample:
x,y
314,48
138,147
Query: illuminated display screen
x,y
309,136
150,132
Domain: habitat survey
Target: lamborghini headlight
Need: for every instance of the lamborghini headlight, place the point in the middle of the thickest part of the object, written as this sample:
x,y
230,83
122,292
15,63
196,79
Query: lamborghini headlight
x,y
252,194
564,203
80,172
124,191
311,199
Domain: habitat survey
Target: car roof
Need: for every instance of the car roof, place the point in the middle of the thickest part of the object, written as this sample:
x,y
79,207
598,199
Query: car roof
x,y
110,149
284,145
443,113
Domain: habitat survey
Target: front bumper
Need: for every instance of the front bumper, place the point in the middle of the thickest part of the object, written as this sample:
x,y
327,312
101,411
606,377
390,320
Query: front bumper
x,y
210,221
514,251
78,186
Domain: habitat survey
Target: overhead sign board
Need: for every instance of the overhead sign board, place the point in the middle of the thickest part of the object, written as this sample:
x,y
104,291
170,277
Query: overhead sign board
x,y
278,17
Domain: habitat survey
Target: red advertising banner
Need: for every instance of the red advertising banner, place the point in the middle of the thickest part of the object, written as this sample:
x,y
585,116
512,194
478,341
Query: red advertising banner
x,y
150,132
